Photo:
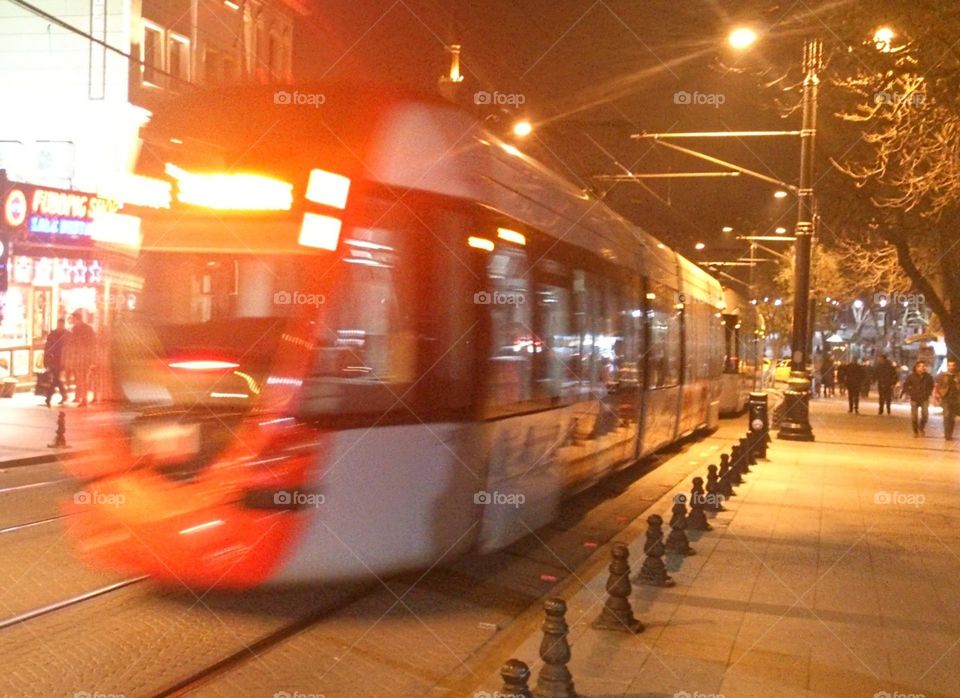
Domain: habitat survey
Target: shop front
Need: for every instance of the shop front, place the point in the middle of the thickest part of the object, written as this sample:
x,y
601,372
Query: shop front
x,y
66,254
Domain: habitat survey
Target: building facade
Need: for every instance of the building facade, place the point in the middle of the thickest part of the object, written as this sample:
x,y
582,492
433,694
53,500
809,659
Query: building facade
x,y
79,78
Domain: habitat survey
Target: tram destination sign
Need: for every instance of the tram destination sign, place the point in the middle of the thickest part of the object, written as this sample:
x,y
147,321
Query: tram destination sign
x,y
51,216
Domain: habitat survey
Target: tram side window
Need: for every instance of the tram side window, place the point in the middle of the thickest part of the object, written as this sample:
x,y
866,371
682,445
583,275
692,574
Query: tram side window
x,y
513,341
663,321
587,310
556,374
632,364
393,331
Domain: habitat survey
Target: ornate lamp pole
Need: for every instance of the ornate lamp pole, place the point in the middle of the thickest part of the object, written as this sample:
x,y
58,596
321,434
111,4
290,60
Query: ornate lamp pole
x,y
795,424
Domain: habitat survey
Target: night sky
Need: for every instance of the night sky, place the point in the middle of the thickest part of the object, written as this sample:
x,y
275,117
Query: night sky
x,y
594,72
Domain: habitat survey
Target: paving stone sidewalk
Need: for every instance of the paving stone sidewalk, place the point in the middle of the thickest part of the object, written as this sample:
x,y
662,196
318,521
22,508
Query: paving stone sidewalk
x,y
834,572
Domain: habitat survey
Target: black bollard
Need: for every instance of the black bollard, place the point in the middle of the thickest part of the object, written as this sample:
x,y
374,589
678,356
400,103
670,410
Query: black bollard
x,y
697,520
759,421
653,572
714,498
724,481
617,612
746,448
677,541
736,466
60,439
515,675
554,680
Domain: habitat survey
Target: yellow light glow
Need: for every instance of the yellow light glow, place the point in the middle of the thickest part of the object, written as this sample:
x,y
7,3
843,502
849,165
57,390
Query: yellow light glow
x,y
780,194
727,229
522,129
481,243
882,39
780,231
511,149
742,37
138,191
651,296
231,191
117,229
322,232
328,188
511,236
699,246
232,5
203,365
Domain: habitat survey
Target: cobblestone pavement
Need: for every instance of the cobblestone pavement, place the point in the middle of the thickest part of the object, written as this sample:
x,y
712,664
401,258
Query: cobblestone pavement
x,y
396,638
835,572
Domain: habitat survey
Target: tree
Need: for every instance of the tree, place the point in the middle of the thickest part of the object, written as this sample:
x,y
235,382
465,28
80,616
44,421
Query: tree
x,y
898,194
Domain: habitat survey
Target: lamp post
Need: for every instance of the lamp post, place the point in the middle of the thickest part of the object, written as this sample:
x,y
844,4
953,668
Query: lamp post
x,y
795,425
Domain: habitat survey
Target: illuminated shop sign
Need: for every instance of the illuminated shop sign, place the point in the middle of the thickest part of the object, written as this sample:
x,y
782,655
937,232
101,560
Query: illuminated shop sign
x,y
54,215
47,271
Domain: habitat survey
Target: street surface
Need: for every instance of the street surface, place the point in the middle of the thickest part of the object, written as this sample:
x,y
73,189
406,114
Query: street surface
x,y
833,573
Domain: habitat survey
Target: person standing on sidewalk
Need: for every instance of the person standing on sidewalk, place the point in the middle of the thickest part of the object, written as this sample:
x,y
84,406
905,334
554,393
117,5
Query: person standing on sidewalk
x,y
918,387
827,376
854,380
948,392
83,349
886,379
54,353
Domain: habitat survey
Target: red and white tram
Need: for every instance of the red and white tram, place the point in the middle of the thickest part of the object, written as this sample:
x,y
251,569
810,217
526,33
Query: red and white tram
x,y
373,336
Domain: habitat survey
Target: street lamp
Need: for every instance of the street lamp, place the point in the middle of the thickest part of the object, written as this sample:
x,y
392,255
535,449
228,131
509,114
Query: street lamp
x,y
780,231
699,246
795,425
727,229
522,129
742,37
883,39
780,194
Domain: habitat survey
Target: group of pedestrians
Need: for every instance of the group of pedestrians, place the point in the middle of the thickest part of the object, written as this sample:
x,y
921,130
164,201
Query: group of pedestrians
x,y
70,353
919,387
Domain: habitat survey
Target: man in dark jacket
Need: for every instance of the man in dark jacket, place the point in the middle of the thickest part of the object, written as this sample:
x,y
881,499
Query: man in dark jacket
x,y
948,390
54,353
853,376
886,376
918,387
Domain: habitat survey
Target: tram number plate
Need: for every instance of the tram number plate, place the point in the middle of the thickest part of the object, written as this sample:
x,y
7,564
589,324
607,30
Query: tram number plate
x,y
169,441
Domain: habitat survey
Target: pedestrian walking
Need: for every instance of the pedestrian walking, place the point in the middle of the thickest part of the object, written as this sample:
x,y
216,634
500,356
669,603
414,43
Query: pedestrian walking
x,y
854,380
918,386
948,393
54,352
866,378
842,379
827,377
886,379
81,356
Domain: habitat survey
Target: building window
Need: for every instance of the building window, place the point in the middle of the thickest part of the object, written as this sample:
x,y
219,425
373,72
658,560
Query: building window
x,y
151,54
178,63
212,67
276,57
229,69
262,70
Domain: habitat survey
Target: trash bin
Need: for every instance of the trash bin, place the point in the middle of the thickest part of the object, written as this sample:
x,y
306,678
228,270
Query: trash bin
x,y
759,422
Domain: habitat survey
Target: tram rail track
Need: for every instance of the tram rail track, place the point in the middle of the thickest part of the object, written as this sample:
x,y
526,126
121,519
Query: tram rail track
x,y
68,602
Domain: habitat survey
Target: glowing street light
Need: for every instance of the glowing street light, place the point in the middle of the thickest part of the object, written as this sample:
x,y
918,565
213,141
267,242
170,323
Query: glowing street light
x,y
780,194
699,246
522,129
727,229
858,304
742,37
780,230
883,39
